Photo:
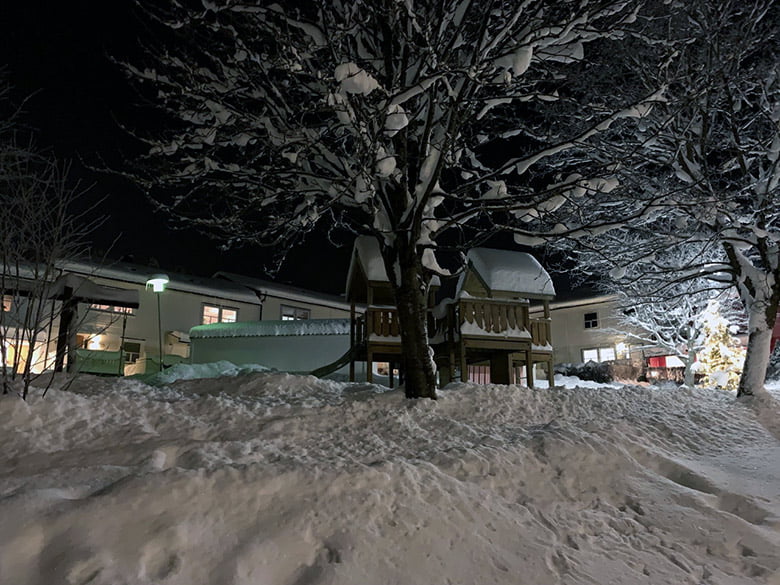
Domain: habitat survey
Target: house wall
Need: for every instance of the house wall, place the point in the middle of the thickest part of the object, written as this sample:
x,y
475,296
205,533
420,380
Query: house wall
x,y
272,307
179,311
181,308
569,335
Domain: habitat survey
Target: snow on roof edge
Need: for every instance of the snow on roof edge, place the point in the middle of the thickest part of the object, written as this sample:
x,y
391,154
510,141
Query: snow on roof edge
x,y
271,328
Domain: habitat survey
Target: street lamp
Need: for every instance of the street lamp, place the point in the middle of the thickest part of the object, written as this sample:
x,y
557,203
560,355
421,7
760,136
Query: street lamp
x,y
157,283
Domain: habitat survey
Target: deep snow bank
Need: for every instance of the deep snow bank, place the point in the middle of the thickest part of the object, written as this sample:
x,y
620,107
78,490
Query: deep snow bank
x,y
278,479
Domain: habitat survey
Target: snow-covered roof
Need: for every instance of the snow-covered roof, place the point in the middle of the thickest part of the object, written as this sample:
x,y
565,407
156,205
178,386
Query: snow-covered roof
x,y
366,252
87,291
510,271
272,328
137,274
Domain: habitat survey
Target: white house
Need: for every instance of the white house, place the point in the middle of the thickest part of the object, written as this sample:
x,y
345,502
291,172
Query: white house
x,y
117,324
583,329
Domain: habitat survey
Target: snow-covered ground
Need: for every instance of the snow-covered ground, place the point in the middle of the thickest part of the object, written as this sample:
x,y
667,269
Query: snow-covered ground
x,y
267,478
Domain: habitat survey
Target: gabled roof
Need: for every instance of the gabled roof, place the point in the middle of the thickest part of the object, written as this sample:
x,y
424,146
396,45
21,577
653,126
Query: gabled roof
x,y
367,255
509,271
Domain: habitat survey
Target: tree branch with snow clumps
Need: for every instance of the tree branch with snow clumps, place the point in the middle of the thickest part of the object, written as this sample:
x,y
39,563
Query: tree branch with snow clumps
x,y
384,118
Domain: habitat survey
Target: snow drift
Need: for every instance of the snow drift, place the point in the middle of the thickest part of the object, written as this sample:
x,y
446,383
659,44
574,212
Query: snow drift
x,y
272,478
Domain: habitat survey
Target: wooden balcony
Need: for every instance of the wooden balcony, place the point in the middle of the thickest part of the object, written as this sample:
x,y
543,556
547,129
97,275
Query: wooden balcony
x,y
540,332
498,323
492,316
377,325
382,323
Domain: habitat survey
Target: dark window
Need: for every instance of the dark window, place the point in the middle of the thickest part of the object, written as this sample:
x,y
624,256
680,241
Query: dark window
x,y
591,320
132,350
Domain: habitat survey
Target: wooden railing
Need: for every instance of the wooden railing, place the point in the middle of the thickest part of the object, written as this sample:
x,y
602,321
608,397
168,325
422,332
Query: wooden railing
x,y
382,322
493,316
540,332
508,317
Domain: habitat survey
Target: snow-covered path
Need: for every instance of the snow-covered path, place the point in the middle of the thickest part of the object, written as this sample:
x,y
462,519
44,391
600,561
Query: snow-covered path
x,y
277,479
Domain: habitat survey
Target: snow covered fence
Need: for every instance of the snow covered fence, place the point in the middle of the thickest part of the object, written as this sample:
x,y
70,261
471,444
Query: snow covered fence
x,y
290,346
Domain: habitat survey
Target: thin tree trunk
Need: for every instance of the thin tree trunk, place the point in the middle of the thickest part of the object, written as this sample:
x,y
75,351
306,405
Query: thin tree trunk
x,y
418,365
761,322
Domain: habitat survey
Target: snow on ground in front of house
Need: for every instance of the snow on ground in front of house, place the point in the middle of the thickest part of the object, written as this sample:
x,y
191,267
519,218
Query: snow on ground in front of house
x,y
268,478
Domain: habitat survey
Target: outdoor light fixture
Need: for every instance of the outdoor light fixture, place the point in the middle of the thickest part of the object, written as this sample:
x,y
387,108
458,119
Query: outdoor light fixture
x,y
157,283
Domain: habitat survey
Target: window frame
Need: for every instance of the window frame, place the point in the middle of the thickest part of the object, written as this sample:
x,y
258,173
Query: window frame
x,y
220,313
599,357
126,353
294,310
592,322
112,309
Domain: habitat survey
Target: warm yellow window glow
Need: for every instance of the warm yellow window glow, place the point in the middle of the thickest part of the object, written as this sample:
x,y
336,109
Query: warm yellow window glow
x,y
210,315
95,342
215,314
10,355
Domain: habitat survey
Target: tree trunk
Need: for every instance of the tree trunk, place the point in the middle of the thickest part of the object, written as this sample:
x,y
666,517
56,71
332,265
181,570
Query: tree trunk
x,y
689,377
410,294
761,322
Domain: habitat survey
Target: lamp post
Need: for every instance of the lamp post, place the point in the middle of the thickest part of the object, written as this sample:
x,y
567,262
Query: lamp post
x,y
157,283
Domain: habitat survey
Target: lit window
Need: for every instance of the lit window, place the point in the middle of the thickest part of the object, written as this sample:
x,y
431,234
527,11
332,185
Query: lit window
x,y
598,354
112,309
215,314
210,315
294,313
591,320
590,355
8,301
607,354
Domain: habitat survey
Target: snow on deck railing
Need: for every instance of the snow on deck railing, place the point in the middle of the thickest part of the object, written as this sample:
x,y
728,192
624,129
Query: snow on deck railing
x,y
272,328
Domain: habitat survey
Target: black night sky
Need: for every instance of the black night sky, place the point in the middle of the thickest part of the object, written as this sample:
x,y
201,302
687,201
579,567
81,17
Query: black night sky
x,y
56,56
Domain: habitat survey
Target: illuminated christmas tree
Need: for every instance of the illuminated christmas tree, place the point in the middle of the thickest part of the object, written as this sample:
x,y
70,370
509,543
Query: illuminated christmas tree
x,y
722,356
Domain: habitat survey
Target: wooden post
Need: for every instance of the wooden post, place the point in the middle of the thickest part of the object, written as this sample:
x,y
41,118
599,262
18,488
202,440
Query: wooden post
x,y
464,368
369,367
550,372
352,341
529,368
65,345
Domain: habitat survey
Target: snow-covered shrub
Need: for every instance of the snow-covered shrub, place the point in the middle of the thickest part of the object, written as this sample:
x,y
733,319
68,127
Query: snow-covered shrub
x,y
592,371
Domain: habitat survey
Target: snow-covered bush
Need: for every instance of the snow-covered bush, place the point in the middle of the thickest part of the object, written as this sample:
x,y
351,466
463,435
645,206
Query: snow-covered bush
x,y
593,371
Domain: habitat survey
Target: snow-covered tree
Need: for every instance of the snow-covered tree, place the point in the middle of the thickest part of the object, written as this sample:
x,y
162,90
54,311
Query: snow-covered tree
x,y
710,158
721,356
666,319
392,118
